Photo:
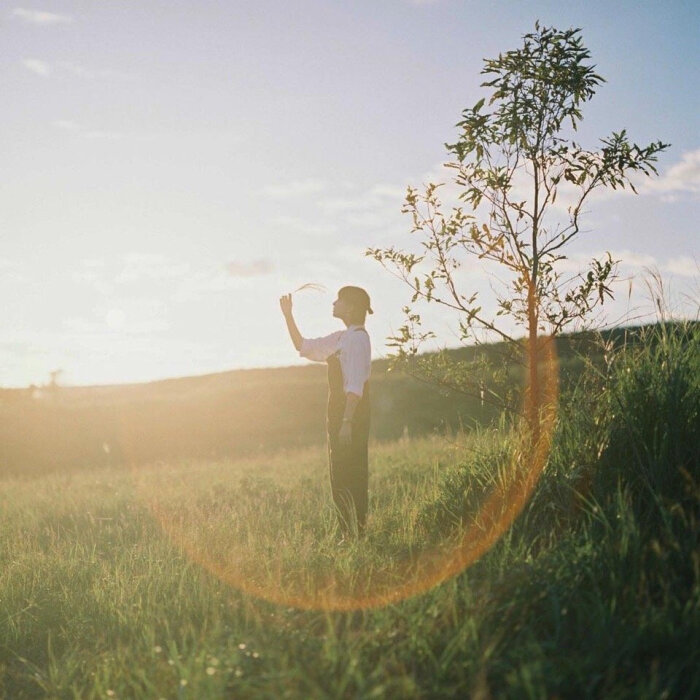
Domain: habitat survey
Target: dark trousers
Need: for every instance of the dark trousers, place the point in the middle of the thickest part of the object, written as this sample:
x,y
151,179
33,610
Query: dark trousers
x,y
348,463
349,482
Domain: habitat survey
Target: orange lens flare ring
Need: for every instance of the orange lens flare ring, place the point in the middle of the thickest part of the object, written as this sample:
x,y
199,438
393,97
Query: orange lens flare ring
x,y
400,579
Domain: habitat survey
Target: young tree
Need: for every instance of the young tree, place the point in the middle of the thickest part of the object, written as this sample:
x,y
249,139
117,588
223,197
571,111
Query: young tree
x,y
513,156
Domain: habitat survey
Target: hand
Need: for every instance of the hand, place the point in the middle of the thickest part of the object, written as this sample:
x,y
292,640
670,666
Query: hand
x,y
345,434
286,304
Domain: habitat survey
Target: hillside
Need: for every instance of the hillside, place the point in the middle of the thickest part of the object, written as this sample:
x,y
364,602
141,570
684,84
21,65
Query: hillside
x,y
229,414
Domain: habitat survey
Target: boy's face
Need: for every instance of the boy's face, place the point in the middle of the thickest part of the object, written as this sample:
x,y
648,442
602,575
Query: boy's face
x,y
341,308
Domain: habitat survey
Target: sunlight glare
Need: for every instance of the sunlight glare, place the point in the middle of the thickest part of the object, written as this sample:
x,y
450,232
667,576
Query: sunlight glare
x,y
115,319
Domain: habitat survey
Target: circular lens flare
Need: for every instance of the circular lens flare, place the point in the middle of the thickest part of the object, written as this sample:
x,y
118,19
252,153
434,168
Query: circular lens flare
x,y
284,579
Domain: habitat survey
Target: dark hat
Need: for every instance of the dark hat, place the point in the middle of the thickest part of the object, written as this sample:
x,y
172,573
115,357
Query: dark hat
x,y
357,297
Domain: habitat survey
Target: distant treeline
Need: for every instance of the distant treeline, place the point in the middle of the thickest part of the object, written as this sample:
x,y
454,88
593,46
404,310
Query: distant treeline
x,y
229,414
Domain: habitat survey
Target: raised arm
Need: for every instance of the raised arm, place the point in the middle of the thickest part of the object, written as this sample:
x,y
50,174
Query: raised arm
x,y
294,334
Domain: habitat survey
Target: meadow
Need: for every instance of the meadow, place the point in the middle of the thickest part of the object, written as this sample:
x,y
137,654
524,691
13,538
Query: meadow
x,y
224,577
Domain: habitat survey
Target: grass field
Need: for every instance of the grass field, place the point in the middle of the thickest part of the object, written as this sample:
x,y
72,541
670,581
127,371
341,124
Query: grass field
x,y
204,579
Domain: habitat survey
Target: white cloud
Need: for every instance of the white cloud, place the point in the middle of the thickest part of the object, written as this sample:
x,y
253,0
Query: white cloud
x,y
67,125
679,178
97,134
293,225
36,66
88,73
203,283
11,271
577,262
630,258
93,263
40,17
372,220
76,69
683,266
93,273
66,67
389,191
140,266
380,196
348,213
294,188
80,130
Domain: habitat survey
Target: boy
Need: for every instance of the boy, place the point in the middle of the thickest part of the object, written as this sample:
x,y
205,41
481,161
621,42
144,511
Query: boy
x,y
347,354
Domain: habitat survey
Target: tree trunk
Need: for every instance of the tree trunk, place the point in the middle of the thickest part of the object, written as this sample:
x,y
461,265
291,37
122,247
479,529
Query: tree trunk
x,y
533,389
533,392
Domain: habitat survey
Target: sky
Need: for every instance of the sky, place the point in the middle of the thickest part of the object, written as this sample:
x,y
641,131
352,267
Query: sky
x,y
169,170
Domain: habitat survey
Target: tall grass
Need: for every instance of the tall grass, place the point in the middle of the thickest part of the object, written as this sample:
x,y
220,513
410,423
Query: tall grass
x,y
118,584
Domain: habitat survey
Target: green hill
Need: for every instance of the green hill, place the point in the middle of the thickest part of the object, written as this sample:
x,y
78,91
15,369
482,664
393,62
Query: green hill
x,y
229,414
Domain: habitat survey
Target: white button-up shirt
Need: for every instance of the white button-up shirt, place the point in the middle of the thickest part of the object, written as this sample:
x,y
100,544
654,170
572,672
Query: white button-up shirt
x,y
355,354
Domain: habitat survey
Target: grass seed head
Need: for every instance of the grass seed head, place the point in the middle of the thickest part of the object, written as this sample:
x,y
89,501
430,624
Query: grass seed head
x,y
310,286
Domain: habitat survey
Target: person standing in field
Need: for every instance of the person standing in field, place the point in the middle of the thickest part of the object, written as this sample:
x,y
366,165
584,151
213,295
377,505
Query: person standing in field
x,y
347,353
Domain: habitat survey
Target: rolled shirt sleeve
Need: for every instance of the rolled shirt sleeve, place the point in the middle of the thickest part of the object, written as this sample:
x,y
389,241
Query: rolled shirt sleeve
x,y
320,349
355,361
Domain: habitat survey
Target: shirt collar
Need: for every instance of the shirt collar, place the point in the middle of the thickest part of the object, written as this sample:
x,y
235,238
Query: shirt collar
x,y
354,327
